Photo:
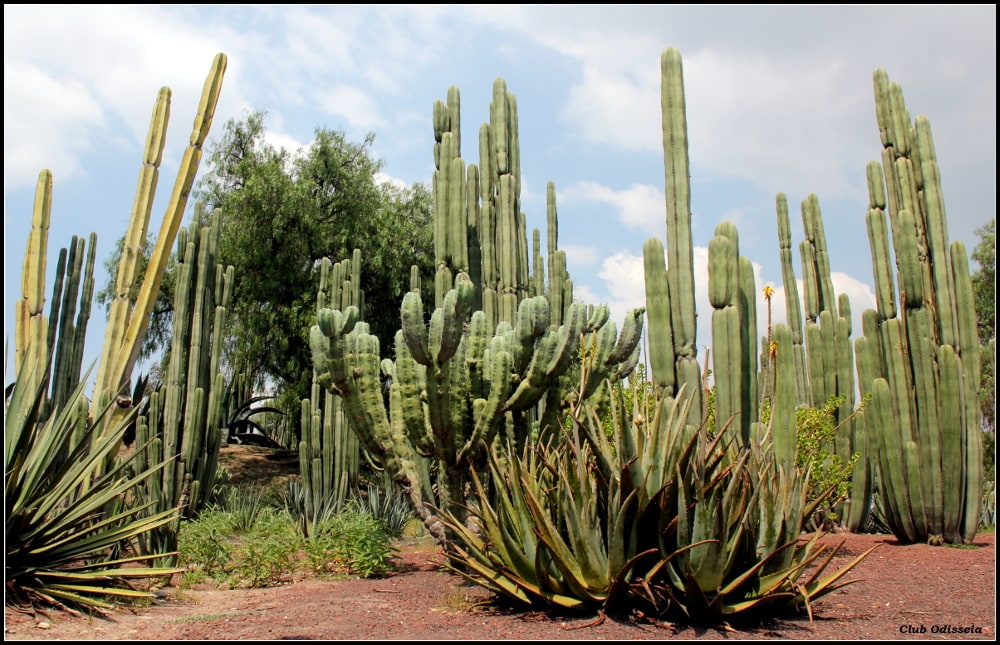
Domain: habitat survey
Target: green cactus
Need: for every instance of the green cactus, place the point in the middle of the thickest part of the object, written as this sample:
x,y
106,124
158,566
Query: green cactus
x,y
680,256
128,322
329,450
824,363
920,361
498,355
183,426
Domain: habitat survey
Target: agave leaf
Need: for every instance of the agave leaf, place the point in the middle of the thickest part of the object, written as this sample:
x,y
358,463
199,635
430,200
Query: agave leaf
x,y
822,587
51,595
510,586
93,590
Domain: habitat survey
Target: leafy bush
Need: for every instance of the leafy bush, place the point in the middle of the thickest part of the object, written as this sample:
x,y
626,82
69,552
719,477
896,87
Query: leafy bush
x,y
351,543
204,546
255,543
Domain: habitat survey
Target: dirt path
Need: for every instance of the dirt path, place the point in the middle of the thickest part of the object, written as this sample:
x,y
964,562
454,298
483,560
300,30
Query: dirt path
x,y
906,592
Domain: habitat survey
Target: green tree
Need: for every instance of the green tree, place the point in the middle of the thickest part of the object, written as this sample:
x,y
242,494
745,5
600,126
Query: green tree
x,y
984,282
282,212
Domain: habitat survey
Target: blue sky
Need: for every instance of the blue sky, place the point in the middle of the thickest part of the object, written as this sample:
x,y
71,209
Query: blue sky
x,y
779,99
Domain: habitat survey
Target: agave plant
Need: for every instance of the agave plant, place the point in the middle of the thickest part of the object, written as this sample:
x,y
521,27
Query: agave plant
x,y
66,518
733,547
673,521
567,524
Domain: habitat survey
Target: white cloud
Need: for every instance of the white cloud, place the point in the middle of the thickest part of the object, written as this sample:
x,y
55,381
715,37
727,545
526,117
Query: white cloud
x,y
352,105
103,94
579,255
640,206
65,116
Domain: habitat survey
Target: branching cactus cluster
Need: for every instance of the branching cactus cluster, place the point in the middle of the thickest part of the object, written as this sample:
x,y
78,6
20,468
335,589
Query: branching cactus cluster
x,y
490,360
330,453
920,360
455,385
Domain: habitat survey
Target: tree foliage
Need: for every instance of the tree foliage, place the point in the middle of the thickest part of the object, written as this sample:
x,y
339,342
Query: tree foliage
x,y
984,280
282,213
984,283
157,338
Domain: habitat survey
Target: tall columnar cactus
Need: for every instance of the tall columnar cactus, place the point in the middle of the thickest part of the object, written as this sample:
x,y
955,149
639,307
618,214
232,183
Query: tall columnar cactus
x,y
73,274
826,361
678,290
330,452
183,425
53,343
478,224
793,306
734,328
31,325
920,361
128,321
722,278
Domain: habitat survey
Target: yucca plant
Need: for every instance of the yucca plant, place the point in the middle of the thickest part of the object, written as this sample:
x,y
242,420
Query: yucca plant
x,y
68,521
387,504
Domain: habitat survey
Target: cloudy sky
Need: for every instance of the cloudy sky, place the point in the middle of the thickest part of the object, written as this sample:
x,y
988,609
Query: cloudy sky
x,y
779,99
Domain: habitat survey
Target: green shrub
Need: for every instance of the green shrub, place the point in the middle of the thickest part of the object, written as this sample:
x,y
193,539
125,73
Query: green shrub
x,y
351,543
267,553
256,543
204,546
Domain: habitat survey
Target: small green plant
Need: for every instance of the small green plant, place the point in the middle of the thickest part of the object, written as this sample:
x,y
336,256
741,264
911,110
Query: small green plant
x,y
817,428
267,554
202,544
233,551
351,543
245,506
307,516
988,510
255,542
